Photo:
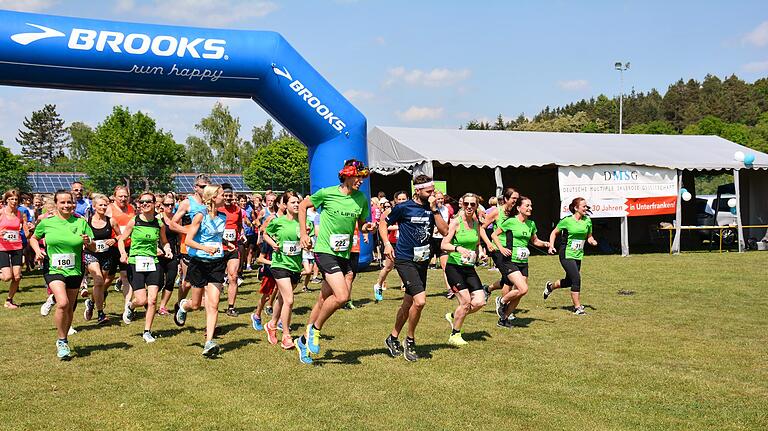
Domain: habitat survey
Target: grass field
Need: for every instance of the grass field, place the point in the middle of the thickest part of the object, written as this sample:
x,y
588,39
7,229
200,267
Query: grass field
x,y
687,350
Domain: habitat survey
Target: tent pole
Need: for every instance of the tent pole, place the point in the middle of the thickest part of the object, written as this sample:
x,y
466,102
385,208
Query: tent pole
x,y
624,236
678,214
738,210
499,181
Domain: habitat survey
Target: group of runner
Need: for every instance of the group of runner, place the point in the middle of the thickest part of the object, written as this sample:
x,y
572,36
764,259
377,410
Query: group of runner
x,y
202,244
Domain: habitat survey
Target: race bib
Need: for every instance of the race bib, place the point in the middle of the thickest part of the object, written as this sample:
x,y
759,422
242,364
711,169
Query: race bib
x,y
420,254
339,242
11,236
63,260
291,248
219,250
577,244
145,264
469,260
230,235
101,245
522,253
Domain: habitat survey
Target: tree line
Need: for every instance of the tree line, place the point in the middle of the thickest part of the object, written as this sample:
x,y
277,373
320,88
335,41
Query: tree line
x,y
129,148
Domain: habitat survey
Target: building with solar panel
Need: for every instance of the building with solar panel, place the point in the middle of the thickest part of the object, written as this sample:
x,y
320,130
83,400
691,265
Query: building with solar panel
x,y
49,182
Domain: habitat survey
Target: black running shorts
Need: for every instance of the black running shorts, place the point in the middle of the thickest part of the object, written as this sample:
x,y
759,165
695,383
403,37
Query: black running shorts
x,y
71,282
140,280
278,273
331,264
413,274
10,258
201,272
462,277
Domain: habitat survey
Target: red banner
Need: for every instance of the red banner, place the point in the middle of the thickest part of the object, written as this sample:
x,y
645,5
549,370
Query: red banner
x,y
651,206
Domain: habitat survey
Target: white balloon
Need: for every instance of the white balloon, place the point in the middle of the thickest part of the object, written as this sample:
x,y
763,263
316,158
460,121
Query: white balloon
x,y
738,156
732,202
687,196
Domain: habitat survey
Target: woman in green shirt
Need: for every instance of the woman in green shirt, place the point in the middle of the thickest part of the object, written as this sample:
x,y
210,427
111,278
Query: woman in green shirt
x,y
462,240
282,234
65,235
575,229
519,231
147,236
492,220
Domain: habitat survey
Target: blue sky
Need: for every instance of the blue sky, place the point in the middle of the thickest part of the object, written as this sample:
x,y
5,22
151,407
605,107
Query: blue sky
x,y
436,63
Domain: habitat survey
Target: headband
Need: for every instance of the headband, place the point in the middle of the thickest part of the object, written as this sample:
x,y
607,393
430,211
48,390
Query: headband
x,y
423,186
354,171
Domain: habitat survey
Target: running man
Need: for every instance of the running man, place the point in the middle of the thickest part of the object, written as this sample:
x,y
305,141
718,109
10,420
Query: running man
x,y
576,229
122,212
342,208
232,233
416,219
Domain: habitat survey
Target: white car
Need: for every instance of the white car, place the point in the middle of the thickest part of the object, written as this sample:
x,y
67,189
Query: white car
x,y
724,215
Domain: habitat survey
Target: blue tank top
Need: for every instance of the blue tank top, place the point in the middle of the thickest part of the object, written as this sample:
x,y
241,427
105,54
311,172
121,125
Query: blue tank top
x,y
266,215
210,232
195,207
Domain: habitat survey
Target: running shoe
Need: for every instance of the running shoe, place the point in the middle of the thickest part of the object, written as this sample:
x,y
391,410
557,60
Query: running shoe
x,y
88,312
256,322
317,280
305,289
147,336
280,325
394,346
378,293
72,331
487,292
500,307
180,318
47,305
10,305
457,340
580,311
504,323
211,349
231,312
118,285
449,318
163,311
240,281
287,342
313,339
511,316
301,348
102,319
449,294
268,310
62,350
127,313
409,351
84,291
547,290
349,305
271,333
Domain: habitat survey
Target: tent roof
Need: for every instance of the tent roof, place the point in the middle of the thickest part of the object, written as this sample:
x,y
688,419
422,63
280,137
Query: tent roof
x,y
393,149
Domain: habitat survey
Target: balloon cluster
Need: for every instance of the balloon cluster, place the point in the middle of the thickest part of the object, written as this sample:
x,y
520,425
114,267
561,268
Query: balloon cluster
x,y
748,159
732,205
685,194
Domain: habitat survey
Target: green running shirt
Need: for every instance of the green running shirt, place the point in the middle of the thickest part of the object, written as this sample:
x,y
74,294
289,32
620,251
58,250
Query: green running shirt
x,y
339,214
64,243
574,235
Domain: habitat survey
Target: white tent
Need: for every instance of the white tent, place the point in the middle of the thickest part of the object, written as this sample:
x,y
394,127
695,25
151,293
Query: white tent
x,y
396,149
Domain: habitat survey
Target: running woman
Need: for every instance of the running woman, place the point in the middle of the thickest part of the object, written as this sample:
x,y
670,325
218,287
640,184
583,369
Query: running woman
x,y
393,233
342,208
122,212
462,241
493,220
102,262
232,232
12,226
207,267
147,235
282,234
416,219
169,268
520,231
575,229
65,235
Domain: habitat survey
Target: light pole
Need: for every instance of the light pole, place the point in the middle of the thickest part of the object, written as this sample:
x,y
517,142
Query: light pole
x,y
621,68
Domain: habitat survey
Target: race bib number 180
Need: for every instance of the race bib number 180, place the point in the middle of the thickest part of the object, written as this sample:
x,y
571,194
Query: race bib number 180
x,y
63,260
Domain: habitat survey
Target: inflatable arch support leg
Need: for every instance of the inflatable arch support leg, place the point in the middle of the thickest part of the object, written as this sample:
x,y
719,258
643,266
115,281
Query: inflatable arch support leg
x,y
83,54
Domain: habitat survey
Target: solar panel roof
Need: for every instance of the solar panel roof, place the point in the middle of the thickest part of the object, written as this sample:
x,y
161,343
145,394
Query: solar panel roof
x,y
49,182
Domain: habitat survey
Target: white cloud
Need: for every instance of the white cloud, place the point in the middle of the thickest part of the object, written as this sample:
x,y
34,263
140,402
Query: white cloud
x,y
200,12
27,5
380,41
419,113
758,36
574,84
756,66
357,95
438,77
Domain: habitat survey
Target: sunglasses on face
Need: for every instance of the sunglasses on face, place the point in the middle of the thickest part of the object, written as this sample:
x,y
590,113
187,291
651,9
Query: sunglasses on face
x,y
200,186
77,190
470,204
144,201
168,205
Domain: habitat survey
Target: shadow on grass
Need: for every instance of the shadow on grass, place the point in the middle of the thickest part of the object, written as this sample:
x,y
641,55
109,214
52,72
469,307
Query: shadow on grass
x,y
353,357
229,327
237,344
114,320
476,336
173,332
85,351
570,308
300,311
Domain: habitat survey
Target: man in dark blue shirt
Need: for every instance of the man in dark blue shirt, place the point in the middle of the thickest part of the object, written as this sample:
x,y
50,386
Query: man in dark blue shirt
x,y
416,219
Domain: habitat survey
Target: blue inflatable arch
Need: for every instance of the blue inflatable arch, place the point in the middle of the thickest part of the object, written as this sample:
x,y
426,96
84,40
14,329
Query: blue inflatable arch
x,y
84,54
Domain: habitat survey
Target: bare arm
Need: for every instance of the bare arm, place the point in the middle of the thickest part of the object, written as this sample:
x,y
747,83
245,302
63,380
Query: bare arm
x,y
173,223
552,237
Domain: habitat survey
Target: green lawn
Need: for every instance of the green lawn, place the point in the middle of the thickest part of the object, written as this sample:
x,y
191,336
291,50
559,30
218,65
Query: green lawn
x,y
687,350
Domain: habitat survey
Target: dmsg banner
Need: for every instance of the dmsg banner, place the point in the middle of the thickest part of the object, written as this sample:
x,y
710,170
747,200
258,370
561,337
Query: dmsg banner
x,y
619,190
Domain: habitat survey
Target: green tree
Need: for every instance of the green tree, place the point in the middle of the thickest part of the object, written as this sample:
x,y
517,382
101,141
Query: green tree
x,y
283,164
261,136
129,149
13,171
221,132
656,127
45,137
82,137
198,156
735,132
